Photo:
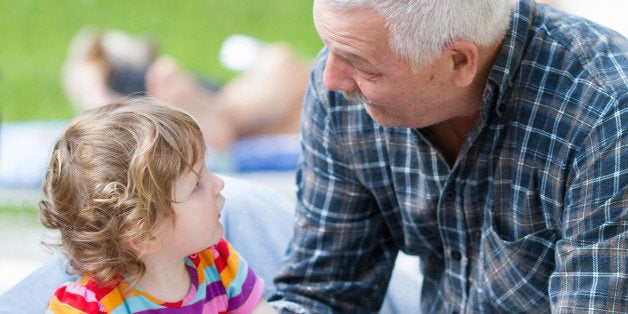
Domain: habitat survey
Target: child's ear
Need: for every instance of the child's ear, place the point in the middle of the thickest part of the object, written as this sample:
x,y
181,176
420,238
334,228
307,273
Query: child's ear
x,y
146,246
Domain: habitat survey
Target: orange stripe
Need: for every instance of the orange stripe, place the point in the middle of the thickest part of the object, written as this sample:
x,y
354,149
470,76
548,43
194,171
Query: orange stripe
x,y
57,306
233,262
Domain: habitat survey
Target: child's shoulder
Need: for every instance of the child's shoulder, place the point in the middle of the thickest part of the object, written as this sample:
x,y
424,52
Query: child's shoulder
x,y
84,295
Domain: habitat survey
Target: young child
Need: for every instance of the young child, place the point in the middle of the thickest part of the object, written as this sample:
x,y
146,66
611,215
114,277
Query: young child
x,y
137,212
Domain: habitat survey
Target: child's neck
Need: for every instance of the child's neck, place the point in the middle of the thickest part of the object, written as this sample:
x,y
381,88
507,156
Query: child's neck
x,y
168,282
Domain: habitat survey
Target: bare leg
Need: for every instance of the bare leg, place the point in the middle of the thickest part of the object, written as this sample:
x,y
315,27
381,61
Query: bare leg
x,y
85,71
265,99
92,60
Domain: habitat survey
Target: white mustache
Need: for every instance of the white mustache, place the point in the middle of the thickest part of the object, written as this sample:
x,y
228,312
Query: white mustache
x,y
356,96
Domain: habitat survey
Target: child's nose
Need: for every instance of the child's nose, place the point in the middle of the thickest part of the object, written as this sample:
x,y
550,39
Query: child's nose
x,y
219,183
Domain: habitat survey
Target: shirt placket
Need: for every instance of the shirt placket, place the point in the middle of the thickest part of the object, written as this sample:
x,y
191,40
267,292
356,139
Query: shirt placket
x,y
452,227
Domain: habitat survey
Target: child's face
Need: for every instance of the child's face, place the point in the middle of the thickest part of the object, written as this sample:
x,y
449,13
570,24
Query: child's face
x,y
197,208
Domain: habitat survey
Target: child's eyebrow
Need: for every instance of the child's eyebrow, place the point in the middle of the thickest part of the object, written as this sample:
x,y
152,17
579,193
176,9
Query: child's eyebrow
x,y
197,171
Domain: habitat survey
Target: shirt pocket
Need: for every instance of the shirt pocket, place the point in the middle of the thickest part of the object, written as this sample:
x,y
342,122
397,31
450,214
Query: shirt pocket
x,y
515,273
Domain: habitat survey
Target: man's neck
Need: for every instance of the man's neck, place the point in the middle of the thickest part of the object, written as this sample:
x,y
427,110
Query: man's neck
x,y
449,135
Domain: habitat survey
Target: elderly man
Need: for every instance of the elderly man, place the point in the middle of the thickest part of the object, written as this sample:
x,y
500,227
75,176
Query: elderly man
x,y
487,137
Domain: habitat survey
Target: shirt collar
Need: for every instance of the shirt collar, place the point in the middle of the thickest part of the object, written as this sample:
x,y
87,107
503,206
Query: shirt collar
x,y
509,59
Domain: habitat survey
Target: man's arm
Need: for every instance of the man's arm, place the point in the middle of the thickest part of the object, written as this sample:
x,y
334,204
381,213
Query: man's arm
x,y
592,258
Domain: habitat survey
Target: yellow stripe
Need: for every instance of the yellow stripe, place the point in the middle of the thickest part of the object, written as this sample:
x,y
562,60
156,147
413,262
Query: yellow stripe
x,y
114,298
206,258
56,306
84,280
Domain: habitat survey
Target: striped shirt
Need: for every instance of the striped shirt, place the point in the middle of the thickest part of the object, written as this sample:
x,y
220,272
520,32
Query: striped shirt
x,y
222,282
533,215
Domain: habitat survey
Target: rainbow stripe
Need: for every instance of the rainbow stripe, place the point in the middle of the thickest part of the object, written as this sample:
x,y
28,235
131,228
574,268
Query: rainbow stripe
x,y
222,282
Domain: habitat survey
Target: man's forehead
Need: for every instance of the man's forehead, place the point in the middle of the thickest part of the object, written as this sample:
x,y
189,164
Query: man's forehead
x,y
350,28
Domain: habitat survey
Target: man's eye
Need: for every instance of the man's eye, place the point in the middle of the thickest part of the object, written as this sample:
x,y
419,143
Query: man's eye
x,y
365,74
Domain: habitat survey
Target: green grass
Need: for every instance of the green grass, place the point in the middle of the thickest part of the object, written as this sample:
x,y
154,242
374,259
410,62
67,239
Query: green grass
x,y
35,35
26,214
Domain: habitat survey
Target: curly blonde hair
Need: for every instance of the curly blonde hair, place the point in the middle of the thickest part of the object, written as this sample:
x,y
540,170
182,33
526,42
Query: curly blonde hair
x,y
109,185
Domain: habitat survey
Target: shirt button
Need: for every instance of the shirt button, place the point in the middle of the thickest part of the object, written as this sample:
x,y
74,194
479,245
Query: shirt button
x,y
456,255
450,195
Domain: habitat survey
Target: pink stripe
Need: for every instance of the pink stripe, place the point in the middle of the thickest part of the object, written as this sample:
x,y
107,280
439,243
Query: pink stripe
x,y
216,305
87,294
253,299
190,295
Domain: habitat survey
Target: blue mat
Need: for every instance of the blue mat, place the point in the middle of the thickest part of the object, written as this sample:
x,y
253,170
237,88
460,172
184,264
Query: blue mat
x,y
25,149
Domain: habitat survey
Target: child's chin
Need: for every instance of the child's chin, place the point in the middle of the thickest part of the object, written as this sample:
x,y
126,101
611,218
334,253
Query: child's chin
x,y
217,234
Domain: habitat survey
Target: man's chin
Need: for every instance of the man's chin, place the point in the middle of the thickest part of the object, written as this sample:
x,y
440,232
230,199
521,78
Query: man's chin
x,y
379,116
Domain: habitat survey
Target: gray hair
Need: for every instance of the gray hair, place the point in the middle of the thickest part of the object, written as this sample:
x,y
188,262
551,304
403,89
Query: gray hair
x,y
420,29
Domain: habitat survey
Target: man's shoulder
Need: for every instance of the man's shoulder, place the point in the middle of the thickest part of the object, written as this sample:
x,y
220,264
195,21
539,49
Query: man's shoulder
x,y
580,48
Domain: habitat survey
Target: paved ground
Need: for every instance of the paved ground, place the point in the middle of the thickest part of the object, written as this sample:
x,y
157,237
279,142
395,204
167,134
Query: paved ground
x,y
20,249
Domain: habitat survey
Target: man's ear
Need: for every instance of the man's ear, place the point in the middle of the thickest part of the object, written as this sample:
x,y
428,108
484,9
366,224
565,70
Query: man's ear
x,y
464,61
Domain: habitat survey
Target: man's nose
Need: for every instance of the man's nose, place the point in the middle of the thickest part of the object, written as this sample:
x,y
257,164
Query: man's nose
x,y
338,74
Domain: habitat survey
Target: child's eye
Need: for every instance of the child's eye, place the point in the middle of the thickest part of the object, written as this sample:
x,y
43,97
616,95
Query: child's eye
x,y
197,185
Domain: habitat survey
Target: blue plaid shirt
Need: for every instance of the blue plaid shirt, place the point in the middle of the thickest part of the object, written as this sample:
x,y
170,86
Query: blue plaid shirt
x,y
532,217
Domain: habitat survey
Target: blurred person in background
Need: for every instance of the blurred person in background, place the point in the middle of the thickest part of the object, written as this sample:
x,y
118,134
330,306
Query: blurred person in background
x,y
265,98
